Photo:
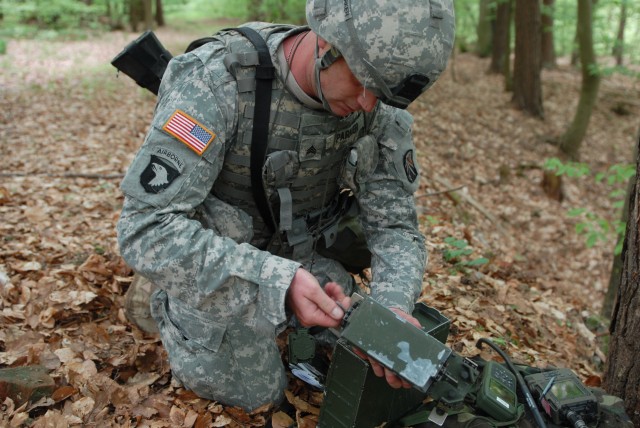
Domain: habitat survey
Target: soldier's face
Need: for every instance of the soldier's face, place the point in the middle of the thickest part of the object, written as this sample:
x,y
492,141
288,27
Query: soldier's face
x,y
344,93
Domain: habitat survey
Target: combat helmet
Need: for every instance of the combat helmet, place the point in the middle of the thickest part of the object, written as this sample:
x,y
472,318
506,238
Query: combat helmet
x,y
396,49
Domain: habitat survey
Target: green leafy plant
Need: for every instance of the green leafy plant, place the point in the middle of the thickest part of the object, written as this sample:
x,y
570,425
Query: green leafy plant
x,y
570,169
457,253
592,226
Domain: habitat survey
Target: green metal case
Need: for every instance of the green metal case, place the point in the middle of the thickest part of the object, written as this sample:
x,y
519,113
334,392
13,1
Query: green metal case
x,y
354,396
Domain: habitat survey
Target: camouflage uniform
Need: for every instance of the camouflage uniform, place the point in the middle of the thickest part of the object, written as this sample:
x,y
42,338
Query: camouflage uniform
x,y
222,277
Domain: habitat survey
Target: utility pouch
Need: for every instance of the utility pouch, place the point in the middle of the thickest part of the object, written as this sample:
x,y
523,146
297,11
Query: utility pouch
x,y
144,60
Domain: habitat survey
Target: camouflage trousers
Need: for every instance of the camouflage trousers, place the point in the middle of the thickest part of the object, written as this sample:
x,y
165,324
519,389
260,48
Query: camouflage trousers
x,y
237,363
233,360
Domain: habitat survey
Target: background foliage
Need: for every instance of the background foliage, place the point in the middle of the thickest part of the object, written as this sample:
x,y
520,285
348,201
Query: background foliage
x,y
505,259
46,18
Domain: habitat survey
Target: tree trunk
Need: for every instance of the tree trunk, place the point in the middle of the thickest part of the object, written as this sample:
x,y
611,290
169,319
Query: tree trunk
x,y
500,48
506,65
253,10
483,30
527,87
616,266
571,141
148,14
136,14
160,14
618,47
548,49
622,375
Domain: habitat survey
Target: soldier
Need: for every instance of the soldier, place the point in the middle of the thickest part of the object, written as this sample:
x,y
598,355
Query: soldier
x,y
233,245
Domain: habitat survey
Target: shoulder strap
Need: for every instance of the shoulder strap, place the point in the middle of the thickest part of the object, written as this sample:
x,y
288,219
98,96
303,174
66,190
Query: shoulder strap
x,y
265,74
199,42
259,136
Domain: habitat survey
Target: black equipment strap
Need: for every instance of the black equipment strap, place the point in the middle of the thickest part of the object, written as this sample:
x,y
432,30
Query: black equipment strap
x,y
265,74
199,42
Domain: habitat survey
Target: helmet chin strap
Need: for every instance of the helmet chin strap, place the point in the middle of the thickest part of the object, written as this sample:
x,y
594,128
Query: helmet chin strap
x,y
323,63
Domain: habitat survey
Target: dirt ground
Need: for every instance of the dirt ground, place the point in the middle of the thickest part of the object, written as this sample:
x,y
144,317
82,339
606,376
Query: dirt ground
x,y
70,126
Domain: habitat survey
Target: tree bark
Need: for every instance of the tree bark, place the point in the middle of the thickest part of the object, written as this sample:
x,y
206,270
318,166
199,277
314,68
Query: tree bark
x,y
622,375
500,48
527,87
253,12
136,14
571,141
548,48
616,266
159,14
483,30
148,14
618,47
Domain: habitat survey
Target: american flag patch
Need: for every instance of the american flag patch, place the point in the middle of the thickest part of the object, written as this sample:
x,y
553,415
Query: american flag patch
x,y
189,131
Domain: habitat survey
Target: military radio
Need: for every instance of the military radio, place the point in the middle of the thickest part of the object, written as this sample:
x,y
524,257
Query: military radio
x,y
444,382
563,397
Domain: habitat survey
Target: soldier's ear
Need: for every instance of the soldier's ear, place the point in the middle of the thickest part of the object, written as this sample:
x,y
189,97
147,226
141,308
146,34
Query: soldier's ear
x,y
323,46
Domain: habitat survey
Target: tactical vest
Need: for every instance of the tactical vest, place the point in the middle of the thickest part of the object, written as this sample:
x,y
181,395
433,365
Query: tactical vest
x,y
305,153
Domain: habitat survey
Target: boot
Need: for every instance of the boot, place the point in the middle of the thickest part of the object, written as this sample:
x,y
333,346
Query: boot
x,y
136,304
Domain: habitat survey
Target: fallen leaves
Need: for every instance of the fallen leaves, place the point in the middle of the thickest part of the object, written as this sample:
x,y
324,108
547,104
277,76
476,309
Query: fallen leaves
x,y
62,280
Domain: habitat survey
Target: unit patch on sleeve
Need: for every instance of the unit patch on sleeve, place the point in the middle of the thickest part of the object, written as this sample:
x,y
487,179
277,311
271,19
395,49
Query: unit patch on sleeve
x,y
158,175
189,131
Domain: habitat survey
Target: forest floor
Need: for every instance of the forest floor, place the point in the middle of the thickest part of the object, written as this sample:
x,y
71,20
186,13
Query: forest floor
x,y
69,127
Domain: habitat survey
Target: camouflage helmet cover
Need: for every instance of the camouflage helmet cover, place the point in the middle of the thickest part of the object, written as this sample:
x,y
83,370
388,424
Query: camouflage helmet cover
x,y
395,48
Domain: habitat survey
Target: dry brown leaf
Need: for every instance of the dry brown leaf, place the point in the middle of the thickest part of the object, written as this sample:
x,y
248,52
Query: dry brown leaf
x,y
143,379
67,355
57,233
53,418
307,421
63,393
177,415
72,297
190,419
144,411
203,420
5,196
300,404
221,421
281,420
23,267
18,419
82,407
239,415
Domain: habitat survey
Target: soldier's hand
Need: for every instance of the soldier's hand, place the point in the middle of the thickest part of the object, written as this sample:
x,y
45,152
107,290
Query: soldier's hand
x,y
314,306
378,369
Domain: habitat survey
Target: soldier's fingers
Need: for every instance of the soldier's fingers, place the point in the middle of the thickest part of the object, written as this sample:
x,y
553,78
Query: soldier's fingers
x,y
407,317
393,380
327,305
377,368
336,292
